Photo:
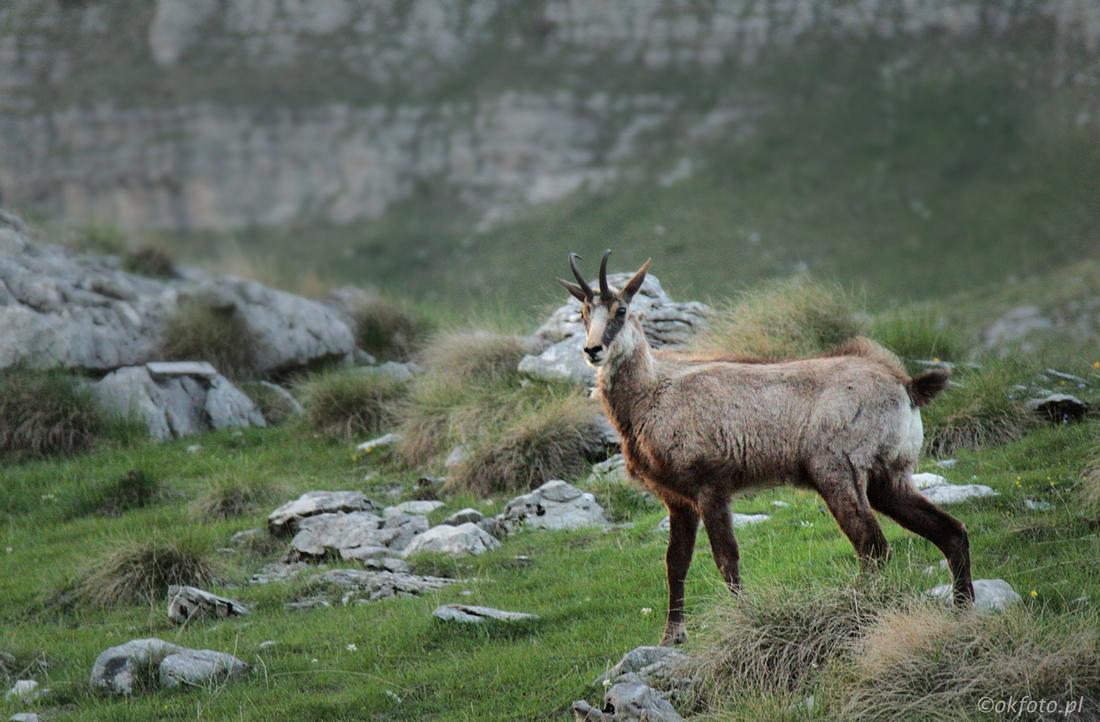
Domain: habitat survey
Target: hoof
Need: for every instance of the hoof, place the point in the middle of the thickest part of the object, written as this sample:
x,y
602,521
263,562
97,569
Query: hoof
x,y
674,636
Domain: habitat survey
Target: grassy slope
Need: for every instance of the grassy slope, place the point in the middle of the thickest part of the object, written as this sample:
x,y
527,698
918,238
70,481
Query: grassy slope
x,y
590,588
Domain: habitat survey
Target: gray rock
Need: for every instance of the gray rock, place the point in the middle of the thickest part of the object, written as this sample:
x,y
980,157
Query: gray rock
x,y
142,663
199,668
175,405
25,717
285,519
989,594
554,505
364,585
660,667
278,572
25,690
628,702
381,442
188,603
286,331
462,540
468,614
417,507
464,516
323,534
956,493
666,323
1059,408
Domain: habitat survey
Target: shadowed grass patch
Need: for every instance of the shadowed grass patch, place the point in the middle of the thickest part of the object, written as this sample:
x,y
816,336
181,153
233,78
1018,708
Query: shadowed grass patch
x,y
916,335
388,329
45,413
794,318
196,332
348,404
231,497
135,572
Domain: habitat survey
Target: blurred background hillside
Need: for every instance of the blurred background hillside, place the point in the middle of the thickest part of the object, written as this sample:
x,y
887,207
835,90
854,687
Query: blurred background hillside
x,y
455,150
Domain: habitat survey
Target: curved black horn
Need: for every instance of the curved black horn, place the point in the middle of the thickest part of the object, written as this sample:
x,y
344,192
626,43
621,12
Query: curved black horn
x,y
605,291
580,276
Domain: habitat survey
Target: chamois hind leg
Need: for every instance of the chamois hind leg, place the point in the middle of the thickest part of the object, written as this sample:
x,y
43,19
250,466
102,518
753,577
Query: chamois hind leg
x,y
893,495
723,544
843,487
683,527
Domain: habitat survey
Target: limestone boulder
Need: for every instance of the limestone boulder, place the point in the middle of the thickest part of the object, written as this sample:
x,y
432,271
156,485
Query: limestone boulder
x,y
143,664
554,505
285,520
469,614
990,595
459,541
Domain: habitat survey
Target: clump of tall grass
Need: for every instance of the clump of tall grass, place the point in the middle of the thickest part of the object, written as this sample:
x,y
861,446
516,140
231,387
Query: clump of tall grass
x,y
470,385
981,408
350,403
45,413
196,332
794,318
932,663
776,640
229,497
555,439
140,572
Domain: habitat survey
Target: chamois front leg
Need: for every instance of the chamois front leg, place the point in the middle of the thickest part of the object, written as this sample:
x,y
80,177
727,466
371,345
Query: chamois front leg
x,y
723,544
683,526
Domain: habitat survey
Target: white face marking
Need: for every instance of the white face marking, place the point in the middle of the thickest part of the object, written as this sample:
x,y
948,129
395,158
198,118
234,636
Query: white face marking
x,y
597,323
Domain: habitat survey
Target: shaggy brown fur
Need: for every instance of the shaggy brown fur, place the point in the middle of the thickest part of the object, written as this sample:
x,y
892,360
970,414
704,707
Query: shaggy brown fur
x,y
696,431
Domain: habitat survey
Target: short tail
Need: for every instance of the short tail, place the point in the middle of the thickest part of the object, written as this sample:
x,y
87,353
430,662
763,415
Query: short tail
x,y
922,389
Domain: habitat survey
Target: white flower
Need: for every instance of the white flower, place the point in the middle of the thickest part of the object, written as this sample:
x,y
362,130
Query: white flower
x,y
352,647
394,697
646,611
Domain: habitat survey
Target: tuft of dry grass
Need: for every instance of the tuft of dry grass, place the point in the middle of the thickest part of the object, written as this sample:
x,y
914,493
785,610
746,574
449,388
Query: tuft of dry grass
x,y
196,332
351,403
470,386
134,572
45,413
979,409
931,663
795,318
232,497
776,640
556,440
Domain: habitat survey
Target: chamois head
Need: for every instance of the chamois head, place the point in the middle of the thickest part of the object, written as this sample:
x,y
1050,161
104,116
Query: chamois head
x,y
604,315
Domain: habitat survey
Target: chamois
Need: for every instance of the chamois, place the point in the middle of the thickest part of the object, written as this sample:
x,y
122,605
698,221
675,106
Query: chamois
x,y
696,431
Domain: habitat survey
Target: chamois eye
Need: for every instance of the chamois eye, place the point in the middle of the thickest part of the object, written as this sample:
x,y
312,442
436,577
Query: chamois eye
x,y
621,312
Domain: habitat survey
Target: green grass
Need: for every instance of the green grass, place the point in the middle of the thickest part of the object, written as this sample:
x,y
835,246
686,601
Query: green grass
x,y
591,589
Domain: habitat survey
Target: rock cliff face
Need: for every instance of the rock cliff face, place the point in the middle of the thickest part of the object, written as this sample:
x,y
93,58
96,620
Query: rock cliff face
x,y
219,114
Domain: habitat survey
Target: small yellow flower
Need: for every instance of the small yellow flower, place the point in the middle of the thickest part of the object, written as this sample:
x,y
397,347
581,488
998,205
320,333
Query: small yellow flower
x,y
1034,593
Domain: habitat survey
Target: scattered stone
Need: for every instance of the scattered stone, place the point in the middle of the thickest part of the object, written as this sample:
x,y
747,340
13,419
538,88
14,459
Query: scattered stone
x,y
181,368
666,323
142,663
387,564
1059,408
554,505
401,373
285,520
476,615
457,457
989,594
25,717
462,540
946,463
174,406
660,667
381,442
955,493
363,586
25,690
927,479
422,508
1068,378
1038,505
628,702
737,521
187,603
464,516
324,535
316,602
278,572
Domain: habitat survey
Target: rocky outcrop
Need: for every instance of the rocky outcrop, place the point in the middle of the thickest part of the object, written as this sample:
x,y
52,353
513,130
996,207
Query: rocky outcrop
x,y
63,309
554,505
459,541
666,323
188,603
287,518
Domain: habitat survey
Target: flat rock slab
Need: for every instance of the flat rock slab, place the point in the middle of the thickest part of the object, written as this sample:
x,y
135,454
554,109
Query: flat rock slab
x,y
188,603
417,507
468,614
655,666
989,594
362,586
181,368
956,493
554,505
463,540
285,520
145,663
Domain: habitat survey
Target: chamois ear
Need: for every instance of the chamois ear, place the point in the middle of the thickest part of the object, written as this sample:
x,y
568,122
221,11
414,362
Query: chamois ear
x,y
635,282
576,291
